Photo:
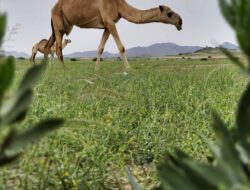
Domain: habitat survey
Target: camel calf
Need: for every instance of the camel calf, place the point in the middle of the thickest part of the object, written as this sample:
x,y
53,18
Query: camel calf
x,y
40,47
103,14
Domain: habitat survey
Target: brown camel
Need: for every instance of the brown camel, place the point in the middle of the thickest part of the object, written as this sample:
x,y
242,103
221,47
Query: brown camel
x,y
40,46
103,14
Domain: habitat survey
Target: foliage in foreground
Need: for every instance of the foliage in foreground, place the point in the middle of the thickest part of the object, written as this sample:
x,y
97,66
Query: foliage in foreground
x,y
231,167
13,109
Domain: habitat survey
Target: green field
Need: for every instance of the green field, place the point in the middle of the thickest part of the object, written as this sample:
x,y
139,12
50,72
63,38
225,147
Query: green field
x,y
115,120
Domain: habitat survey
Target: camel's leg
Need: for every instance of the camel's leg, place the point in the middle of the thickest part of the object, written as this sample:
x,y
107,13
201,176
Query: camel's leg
x,y
47,48
59,29
33,56
105,37
112,29
59,32
50,43
59,36
52,57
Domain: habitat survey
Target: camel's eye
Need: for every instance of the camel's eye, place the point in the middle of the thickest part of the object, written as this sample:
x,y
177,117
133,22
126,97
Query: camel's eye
x,y
170,14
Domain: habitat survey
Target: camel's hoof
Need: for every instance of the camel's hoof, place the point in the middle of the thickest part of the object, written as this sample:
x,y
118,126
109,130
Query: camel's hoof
x,y
128,68
97,68
124,73
64,67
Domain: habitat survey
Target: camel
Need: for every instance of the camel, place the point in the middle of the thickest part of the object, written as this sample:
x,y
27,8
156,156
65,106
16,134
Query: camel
x,y
103,14
40,46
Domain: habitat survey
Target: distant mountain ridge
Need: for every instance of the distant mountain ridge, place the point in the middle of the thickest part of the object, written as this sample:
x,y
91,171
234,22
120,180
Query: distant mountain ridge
x,y
225,45
89,54
13,53
154,50
228,45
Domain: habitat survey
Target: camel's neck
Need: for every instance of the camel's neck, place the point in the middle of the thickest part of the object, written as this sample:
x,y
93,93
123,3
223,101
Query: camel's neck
x,y
148,16
138,16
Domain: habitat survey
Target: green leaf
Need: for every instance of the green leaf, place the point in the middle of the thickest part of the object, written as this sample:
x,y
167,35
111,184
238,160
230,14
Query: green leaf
x,y
32,76
6,74
195,173
7,141
206,176
17,107
33,134
243,119
228,11
2,26
132,180
4,160
229,158
171,176
234,59
7,160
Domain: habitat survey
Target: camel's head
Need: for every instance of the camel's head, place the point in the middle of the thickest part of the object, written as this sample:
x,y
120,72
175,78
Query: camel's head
x,y
170,17
67,41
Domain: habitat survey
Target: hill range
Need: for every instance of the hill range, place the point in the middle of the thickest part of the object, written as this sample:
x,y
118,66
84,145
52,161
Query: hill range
x,y
155,50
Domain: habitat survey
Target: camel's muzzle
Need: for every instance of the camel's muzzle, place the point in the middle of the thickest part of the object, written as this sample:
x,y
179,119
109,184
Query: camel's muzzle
x,y
179,28
179,25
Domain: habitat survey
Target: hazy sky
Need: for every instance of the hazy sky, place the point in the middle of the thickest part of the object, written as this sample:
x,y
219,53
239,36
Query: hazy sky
x,y
203,25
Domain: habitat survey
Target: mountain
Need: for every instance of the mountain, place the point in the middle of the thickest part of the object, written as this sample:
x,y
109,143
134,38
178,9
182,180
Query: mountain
x,y
14,53
155,50
88,54
228,45
161,49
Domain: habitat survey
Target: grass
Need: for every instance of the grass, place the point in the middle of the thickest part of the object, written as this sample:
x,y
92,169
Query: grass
x,y
115,120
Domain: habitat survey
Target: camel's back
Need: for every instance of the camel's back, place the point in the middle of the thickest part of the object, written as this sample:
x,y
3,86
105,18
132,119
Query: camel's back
x,y
41,45
43,41
84,9
87,13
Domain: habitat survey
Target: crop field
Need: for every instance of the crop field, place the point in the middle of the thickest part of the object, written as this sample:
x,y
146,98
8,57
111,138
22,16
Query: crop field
x,y
115,120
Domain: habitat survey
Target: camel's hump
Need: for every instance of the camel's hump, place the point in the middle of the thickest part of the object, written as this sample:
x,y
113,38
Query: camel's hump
x,y
43,40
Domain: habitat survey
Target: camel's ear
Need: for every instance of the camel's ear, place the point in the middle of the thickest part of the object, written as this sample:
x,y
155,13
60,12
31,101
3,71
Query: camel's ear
x,y
161,8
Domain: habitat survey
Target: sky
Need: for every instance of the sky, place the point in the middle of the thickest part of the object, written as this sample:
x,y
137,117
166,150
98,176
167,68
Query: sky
x,y
203,25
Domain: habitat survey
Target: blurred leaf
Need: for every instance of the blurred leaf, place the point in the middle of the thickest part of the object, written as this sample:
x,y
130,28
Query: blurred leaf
x,y
32,76
6,74
213,147
234,59
24,138
17,108
237,13
229,158
7,160
19,117
201,175
207,176
171,176
243,119
7,141
4,160
132,180
228,11
2,26
231,167
158,188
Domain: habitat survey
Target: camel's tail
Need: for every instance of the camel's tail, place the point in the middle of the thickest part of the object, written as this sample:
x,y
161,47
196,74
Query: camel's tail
x,y
128,12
